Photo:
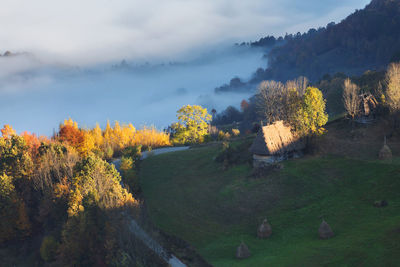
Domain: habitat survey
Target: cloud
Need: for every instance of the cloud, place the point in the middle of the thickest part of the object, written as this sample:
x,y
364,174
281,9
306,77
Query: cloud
x,y
96,31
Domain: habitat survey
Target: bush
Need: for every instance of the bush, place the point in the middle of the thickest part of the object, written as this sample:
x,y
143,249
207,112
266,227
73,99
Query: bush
x,y
223,136
235,132
48,249
126,163
108,152
234,155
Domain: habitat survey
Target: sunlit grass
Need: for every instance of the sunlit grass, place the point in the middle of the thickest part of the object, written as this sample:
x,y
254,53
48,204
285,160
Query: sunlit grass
x,y
189,195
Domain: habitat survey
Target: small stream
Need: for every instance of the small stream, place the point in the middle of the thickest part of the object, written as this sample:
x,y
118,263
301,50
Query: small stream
x,y
135,227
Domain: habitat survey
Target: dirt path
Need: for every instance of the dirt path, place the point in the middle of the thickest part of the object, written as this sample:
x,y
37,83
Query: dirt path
x,y
157,151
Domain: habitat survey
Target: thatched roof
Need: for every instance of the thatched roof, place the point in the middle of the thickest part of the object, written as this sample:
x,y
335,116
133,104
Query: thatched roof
x,y
274,139
385,153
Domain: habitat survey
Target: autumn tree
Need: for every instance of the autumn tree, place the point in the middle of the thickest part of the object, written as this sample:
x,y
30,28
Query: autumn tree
x,y
7,131
193,124
393,87
351,98
311,116
97,179
70,122
71,135
97,135
84,141
32,141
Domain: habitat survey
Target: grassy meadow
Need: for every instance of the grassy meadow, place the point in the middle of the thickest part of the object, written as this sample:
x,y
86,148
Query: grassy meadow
x,y
188,194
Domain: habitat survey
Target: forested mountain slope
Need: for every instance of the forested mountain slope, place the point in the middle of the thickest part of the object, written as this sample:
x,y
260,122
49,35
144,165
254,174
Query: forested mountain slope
x,y
367,39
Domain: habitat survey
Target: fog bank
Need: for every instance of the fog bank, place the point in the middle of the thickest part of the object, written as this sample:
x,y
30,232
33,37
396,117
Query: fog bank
x,y
36,96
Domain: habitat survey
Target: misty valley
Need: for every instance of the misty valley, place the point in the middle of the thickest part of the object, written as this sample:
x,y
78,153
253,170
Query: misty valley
x,y
199,133
144,94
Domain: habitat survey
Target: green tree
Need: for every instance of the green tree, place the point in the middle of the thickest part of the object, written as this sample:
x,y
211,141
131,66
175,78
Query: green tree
x,y
14,219
192,126
15,160
311,115
48,249
99,180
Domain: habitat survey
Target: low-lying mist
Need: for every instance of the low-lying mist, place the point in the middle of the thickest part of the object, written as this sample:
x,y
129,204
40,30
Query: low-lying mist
x,y
36,96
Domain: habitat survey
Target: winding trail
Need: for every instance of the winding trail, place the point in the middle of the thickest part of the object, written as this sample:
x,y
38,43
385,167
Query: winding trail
x,y
138,231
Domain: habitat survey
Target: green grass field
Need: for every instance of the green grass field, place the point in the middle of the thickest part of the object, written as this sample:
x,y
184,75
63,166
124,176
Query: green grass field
x,y
190,196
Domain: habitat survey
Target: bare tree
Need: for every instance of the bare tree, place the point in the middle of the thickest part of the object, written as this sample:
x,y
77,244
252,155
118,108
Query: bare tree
x,y
53,168
300,85
351,98
269,100
277,101
393,86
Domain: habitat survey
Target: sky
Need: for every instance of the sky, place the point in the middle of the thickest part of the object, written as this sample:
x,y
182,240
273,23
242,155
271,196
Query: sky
x,y
72,45
96,31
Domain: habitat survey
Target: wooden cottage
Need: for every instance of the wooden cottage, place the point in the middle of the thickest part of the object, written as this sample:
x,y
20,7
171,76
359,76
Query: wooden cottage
x,y
275,143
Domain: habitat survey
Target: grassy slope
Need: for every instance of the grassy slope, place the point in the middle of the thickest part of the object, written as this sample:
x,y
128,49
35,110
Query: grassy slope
x,y
189,195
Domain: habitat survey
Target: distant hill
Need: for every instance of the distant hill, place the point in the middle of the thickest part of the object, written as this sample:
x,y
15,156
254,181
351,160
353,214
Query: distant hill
x,y
367,39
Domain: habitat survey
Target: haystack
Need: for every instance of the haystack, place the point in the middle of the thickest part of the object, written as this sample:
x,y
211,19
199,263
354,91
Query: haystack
x,y
381,203
264,230
385,153
242,251
325,231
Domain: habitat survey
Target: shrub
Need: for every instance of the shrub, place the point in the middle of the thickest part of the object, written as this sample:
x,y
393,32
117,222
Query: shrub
x,y
234,154
221,135
235,132
48,249
126,163
108,152
227,136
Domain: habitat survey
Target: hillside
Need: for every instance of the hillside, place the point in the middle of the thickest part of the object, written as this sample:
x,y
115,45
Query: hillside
x,y
189,195
367,39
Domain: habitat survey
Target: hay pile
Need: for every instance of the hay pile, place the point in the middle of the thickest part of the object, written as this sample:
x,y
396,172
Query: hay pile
x,y
381,203
264,230
325,231
242,251
385,153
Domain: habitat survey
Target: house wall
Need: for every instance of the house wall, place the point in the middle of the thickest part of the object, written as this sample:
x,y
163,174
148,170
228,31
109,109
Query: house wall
x,y
260,161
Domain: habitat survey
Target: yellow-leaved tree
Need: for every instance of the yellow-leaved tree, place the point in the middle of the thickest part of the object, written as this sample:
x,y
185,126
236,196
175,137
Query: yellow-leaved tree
x,y
311,115
192,126
393,87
